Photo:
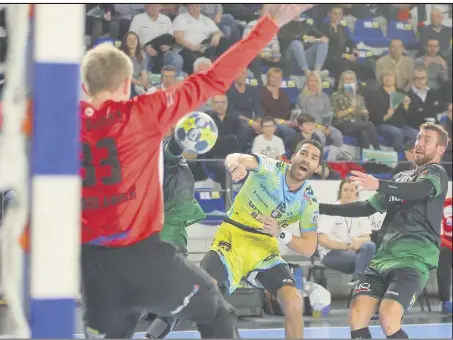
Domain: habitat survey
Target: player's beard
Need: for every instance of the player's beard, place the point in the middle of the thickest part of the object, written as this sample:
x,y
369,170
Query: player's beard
x,y
298,174
423,158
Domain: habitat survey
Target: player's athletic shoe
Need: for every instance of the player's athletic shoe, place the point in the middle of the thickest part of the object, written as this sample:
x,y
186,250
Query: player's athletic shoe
x,y
446,307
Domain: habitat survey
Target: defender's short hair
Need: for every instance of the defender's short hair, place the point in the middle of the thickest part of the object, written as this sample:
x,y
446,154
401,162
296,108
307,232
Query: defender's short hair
x,y
441,132
104,68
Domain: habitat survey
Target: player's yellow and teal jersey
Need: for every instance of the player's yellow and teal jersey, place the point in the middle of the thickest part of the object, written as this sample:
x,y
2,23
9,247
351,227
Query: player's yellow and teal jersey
x,y
265,192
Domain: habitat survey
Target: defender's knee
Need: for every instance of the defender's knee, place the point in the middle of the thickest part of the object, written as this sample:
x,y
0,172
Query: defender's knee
x,y
390,315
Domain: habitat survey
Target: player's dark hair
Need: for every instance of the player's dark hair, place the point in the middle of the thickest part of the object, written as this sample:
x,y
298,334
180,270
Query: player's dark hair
x,y
342,183
442,134
312,142
305,118
267,119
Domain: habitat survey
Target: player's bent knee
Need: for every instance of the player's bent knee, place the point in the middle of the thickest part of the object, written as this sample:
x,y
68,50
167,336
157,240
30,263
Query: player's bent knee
x,y
390,315
361,310
291,301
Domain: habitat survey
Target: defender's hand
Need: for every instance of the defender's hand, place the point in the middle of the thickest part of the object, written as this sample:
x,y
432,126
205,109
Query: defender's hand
x,y
365,182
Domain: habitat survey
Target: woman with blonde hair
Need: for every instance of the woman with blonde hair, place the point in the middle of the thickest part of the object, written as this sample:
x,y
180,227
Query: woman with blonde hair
x,y
351,113
389,111
313,101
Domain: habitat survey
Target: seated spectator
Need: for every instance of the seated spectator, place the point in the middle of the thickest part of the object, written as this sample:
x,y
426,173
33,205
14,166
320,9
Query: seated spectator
x,y
306,125
245,100
407,163
351,113
98,22
447,157
123,14
243,12
171,10
342,54
140,80
435,65
398,61
388,111
155,33
437,31
444,267
426,103
225,22
229,139
275,103
197,36
167,78
267,143
344,243
316,103
304,47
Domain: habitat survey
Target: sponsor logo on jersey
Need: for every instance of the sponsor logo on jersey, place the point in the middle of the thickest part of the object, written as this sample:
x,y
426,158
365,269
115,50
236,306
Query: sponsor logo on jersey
x,y
314,219
362,287
391,292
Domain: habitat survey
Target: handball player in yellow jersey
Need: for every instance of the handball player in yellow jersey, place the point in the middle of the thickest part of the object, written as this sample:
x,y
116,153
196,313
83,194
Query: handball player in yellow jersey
x,y
274,195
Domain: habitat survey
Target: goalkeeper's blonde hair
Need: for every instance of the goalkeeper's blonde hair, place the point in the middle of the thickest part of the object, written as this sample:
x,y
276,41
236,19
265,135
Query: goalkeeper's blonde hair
x,y
105,68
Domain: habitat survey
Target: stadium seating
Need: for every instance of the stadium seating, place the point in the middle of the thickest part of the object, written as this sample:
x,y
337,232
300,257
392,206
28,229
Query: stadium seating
x,y
402,31
368,32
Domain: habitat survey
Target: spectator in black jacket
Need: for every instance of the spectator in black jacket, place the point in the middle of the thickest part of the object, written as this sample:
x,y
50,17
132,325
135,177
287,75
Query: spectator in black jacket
x,y
342,53
388,111
98,22
436,31
303,46
425,102
242,12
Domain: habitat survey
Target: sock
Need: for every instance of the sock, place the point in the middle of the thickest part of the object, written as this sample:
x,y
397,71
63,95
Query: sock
x,y
398,335
363,333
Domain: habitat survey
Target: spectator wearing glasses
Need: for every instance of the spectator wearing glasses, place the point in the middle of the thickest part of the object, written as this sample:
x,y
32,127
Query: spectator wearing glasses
x,y
167,78
344,242
426,103
437,31
267,143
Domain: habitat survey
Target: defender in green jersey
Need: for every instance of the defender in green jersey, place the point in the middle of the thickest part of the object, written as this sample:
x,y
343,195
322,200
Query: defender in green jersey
x,y
400,269
180,210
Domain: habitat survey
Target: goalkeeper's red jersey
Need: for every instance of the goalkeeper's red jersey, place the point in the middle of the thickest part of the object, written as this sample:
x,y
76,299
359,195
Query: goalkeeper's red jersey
x,y
122,199
446,231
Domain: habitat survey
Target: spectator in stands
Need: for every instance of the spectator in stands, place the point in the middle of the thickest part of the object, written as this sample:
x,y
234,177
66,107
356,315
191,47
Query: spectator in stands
x,y
435,65
275,103
123,14
267,143
155,33
351,113
140,80
225,22
304,47
426,103
437,31
388,111
342,54
243,12
229,138
446,122
167,78
306,125
245,100
445,260
317,104
398,61
344,243
197,35
98,22
407,163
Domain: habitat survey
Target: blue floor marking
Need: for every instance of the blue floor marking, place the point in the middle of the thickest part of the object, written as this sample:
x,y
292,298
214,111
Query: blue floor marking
x,y
419,331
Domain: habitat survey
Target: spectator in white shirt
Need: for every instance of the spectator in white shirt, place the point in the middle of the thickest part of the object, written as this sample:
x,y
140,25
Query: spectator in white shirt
x,y
197,35
123,14
202,64
267,143
155,32
344,243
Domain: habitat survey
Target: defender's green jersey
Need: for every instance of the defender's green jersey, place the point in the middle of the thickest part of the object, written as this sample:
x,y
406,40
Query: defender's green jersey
x,y
180,207
412,227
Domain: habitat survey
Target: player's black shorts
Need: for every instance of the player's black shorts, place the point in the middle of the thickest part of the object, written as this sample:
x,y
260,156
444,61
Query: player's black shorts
x,y
271,279
119,284
400,284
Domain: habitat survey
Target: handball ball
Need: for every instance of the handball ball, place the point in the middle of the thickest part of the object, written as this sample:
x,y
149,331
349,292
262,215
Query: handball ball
x,y
196,133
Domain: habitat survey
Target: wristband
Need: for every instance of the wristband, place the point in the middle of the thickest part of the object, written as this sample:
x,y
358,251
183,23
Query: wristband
x,y
250,122
281,121
285,237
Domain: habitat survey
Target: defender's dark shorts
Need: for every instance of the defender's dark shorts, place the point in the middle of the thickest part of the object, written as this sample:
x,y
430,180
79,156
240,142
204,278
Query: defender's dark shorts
x,y
119,284
400,284
271,279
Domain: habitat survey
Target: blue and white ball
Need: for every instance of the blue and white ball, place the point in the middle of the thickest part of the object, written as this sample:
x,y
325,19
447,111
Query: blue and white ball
x,y
196,133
